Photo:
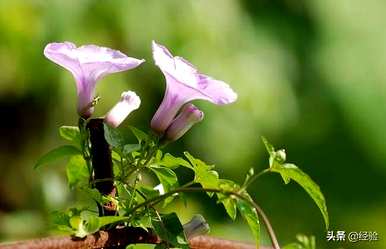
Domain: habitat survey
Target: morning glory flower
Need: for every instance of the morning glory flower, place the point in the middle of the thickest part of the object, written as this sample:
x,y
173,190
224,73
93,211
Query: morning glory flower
x,y
183,84
188,116
128,103
88,64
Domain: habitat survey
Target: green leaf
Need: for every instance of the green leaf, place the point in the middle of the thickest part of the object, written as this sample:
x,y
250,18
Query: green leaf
x,y
293,246
269,147
167,178
229,202
304,242
249,214
140,135
77,172
170,229
56,154
114,137
173,162
148,192
61,220
291,171
70,133
107,220
203,173
128,148
89,222
278,156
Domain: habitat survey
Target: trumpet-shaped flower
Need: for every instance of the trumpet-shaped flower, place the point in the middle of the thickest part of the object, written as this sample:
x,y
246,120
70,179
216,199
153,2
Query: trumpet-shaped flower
x,y
183,84
88,64
128,103
188,116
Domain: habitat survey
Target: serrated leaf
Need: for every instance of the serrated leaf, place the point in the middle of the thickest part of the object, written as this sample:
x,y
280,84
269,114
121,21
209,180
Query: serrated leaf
x,y
203,173
77,172
170,229
56,154
250,216
291,171
70,133
140,135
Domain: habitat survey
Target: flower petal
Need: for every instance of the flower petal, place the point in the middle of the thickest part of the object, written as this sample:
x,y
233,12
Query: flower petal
x,y
63,54
128,103
184,83
180,71
88,64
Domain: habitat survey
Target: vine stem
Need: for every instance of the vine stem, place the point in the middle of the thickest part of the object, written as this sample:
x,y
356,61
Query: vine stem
x,y
254,177
258,209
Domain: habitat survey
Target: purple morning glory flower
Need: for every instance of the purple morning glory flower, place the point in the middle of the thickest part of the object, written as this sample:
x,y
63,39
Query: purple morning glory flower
x,y
128,103
183,84
188,116
88,64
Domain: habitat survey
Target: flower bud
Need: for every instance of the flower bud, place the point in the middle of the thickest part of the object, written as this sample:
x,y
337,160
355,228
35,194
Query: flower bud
x,y
188,116
128,103
280,156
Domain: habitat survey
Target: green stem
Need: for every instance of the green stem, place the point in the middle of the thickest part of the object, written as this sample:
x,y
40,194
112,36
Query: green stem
x,y
155,200
254,177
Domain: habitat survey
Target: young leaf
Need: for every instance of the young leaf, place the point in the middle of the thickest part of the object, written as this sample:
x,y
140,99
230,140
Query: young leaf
x,y
291,171
203,173
269,147
70,133
170,229
140,135
249,214
77,172
56,154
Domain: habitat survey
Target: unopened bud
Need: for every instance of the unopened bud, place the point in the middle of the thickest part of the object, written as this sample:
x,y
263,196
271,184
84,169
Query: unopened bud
x,y
128,103
280,156
196,226
188,116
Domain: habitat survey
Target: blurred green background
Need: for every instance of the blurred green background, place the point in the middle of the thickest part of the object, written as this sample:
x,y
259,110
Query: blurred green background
x,y
310,77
